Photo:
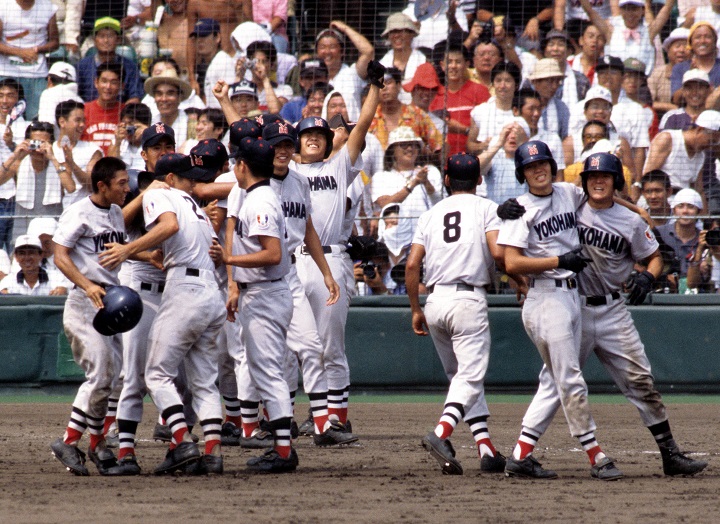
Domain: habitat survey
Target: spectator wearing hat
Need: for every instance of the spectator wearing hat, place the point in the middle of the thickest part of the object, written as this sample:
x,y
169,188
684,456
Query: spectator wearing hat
x,y
702,41
311,71
546,79
61,86
28,30
31,278
489,118
462,95
391,114
695,92
423,88
168,90
557,45
682,234
192,104
206,36
592,46
244,99
399,32
681,153
102,115
635,86
676,48
107,34
134,119
348,79
628,35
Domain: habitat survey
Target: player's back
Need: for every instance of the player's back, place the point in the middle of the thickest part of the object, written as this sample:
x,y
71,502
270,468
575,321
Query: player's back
x,y
453,233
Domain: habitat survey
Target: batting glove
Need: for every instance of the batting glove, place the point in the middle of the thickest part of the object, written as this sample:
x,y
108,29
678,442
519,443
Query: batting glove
x,y
641,285
573,261
376,74
510,209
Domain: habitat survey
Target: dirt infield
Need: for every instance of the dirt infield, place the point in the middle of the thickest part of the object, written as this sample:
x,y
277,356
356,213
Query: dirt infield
x,y
387,477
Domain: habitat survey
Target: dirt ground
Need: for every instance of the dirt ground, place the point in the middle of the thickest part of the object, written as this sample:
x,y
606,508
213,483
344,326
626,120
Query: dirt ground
x,y
386,477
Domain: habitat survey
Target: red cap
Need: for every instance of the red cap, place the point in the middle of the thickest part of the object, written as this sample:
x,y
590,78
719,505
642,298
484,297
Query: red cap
x,y
425,76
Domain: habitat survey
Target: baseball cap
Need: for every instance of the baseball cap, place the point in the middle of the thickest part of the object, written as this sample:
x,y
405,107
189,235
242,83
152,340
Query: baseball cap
x,y
546,68
107,22
610,62
207,158
313,68
63,70
205,27
462,166
244,87
28,240
633,65
687,196
679,33
708,119
555,33
695,75
598,92
256,152
243,128
622,3
265,119
425,76
42,226
277,132
176,164
154,133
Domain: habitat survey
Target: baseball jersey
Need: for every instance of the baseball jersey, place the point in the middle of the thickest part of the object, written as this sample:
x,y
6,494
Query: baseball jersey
x,y
294,194
260,215
329,182
453,234
189,247
86,228
140,270
614,239
548,227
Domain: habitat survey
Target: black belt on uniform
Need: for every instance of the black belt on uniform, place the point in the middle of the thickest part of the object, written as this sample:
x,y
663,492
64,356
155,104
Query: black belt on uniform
x,y
326,249
571,282
292,258
192,272
601,300
104,286
458,287
243,285
146,286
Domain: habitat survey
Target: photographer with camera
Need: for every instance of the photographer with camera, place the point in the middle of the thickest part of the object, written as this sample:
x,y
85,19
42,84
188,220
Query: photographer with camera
x,y
134,119
703,272
372,267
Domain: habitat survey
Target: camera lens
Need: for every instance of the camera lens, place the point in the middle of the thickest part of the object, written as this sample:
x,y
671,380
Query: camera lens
x,y
131,130
369,270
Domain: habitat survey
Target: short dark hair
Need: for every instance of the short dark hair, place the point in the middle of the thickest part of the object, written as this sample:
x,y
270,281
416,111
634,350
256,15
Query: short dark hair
x,y
266,47
168,59
463,185
509,68
656,175
323,87
63,109
109,66
394,73
43,127
105,170
598,123
216,118
138,112
522,96
13,84
492,42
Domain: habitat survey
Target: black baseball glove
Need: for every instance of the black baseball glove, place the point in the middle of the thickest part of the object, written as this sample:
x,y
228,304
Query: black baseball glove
x,y
573,261
510,209
376,74
640,285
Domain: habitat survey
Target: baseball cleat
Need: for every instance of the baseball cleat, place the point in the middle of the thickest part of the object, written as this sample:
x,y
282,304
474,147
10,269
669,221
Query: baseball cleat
x,y
128,466
112,438
335,435
494,464
307,428
206,465
604,469
272,462
442,451
105,461
162,433
527,468
176,458
259,440
70,456
230,434
677,463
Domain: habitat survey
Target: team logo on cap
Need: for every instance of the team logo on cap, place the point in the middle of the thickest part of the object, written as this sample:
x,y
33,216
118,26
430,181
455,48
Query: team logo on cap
x,y
159,128
595,161
196,160
532,150
319,122
283,129
259,119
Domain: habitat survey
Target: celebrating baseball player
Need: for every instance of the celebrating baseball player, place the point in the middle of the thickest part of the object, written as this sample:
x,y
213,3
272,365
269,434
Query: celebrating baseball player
x,y
179,334
85,229
329,182
544,244
614,238
457,239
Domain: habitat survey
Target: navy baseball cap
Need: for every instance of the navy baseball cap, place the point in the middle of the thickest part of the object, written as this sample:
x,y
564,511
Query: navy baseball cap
x,y
154,133
177,164
243,128
279,131
208,157
268,118
242,88
462,166
205,27
609,62
256,152
313,68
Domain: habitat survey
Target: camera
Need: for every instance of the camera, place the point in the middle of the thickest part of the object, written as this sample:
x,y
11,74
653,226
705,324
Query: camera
x,y
130,130
712,237
369,269
34,145
250,64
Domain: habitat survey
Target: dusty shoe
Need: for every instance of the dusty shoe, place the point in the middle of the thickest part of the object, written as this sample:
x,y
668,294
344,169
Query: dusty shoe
x,y
272,462
105,461
230,434
162,433
677,463
112,439
206,465
70,457
528,468
494,464
443,452
176,458
307,428
259,440
604,469
128,466
335,435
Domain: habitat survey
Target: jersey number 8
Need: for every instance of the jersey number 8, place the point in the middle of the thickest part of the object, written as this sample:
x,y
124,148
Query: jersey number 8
x,y
451,221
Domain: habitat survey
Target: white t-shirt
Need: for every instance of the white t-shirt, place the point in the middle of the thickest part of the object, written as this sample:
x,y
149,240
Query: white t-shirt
x,y
25,29
15,284
489,119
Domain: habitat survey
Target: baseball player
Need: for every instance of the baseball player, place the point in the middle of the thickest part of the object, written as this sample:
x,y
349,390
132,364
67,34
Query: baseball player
x,y
614,238
86,229
185,234
457,239
329,182
544,245
264,305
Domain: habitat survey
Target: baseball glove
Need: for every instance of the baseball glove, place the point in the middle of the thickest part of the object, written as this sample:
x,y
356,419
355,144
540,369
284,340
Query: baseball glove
x,y
376,73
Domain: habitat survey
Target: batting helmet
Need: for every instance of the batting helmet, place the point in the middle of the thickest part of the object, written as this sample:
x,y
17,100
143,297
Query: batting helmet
x,y
529,152
603,163
320,124
121,312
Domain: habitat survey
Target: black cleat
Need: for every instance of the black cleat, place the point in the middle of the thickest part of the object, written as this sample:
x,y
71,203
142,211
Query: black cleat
x,y
105,461
272,462
70,457
260,440
162,433
335,435
494,464
677,463
128,466
604,469
206,465
176,458
230,434
442,451
528,468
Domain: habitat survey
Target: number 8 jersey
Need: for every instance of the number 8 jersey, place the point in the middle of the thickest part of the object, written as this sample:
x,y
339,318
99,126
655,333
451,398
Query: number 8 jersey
x,y
453,234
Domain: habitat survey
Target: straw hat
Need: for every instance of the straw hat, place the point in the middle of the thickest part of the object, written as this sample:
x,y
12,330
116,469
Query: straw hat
x,y
398,22
168,76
